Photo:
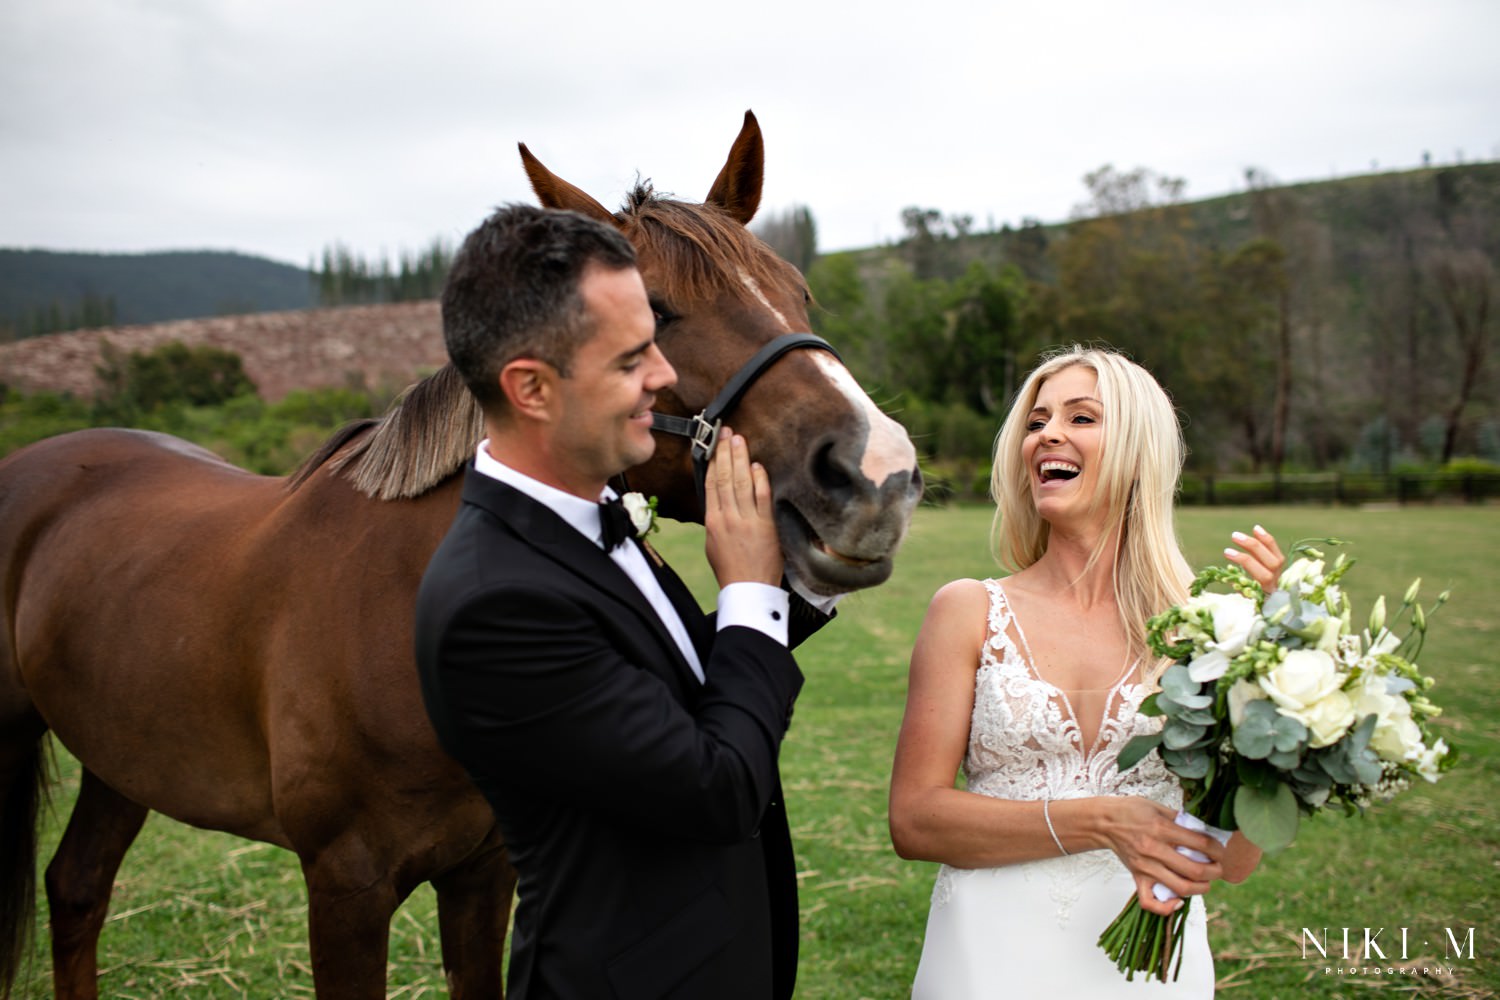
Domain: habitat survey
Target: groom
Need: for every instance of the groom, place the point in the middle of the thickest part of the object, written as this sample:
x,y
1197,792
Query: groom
x,y
626,742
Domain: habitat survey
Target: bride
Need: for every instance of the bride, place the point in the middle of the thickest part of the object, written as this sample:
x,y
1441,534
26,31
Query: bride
x,y
1032,685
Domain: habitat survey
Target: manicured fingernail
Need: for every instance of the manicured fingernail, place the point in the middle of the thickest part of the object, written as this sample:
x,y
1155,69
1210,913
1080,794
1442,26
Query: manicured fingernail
x,y
1261,531
1239,536
1233,553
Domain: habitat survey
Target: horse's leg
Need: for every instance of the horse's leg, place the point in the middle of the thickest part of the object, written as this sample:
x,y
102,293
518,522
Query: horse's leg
x,y
349,910
473,911
23,777
80,878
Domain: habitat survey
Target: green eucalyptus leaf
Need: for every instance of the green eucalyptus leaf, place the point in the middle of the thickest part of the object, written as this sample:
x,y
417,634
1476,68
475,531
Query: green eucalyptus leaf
x,y
1137,749
1197,716
1254,738
1195,700
1358,738
1366,766
1288,734
1269,820
1257,774
1178,735
1283,760
1335,762
1178,684
1313,776
1189,764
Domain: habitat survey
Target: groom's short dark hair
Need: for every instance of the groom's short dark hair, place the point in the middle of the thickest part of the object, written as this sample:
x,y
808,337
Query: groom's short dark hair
x,y
513,292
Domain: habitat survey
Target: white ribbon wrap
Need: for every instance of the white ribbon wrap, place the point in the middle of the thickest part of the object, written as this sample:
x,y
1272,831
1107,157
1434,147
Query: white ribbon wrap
x,y
1160,891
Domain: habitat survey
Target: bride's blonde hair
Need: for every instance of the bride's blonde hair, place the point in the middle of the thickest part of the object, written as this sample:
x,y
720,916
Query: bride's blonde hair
x,y
1141,453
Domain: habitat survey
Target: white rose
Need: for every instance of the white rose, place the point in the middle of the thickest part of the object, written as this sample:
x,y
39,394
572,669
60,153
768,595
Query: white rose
x,y
1373,697
1241,694
1327,720
639,509
1237,623
1396,736
1301,680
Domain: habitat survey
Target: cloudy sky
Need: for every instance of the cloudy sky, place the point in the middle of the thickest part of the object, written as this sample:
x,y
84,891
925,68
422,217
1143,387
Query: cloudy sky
x,y
277,127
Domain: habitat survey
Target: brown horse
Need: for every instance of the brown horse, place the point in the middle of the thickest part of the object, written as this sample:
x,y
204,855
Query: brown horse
x,y
235,651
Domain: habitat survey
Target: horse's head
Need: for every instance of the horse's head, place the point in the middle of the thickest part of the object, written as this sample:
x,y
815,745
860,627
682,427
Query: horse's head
x,y
844,474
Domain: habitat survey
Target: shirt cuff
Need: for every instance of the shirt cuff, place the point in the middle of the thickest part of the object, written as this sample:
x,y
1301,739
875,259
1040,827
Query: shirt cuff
x,y
755,605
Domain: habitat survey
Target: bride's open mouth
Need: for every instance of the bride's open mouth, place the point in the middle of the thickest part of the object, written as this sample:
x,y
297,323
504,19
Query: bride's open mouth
x,y
1053,471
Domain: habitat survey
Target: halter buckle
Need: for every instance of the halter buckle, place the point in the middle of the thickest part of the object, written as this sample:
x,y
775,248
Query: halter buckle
x,y
705,438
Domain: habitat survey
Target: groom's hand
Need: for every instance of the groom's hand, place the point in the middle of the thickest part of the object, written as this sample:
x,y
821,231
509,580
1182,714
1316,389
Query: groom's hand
x,y
741,544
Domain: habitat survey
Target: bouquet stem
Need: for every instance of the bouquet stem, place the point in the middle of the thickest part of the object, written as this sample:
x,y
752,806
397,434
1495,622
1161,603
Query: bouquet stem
x,y
1140,941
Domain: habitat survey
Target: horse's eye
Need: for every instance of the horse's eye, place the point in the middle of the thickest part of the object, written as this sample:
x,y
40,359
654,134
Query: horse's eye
x,y
664,316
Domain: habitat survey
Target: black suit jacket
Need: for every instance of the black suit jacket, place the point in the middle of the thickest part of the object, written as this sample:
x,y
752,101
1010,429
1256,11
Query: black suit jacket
x,y
642,809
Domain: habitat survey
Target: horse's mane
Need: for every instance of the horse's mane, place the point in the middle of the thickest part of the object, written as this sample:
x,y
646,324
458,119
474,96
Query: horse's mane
x,y
427,435
431,430
702,247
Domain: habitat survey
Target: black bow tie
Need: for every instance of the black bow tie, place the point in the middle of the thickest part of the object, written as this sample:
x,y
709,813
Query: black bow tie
x,y
614,523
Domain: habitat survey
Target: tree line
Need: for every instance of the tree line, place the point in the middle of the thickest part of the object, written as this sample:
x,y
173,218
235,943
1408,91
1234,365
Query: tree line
x,y
1319,327
342,277
89,312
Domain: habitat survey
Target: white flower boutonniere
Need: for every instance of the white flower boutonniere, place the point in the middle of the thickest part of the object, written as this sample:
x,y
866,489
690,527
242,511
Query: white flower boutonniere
x,y
642,513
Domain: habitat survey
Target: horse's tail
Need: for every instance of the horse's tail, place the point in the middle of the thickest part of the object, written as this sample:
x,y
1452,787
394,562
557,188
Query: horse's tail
x,y
20,801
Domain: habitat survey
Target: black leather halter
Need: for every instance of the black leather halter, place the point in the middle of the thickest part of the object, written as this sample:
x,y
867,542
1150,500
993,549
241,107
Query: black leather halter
x,y
703,429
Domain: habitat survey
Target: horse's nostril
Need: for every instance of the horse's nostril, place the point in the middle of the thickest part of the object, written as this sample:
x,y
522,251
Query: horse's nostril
x,y
829,471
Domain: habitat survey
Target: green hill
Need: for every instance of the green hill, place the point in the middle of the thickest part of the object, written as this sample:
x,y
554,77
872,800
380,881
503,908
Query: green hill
x,y
42,291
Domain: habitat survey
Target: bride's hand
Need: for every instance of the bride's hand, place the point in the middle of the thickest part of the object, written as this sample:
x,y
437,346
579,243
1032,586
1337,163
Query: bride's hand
x,y
1261,557
1145,836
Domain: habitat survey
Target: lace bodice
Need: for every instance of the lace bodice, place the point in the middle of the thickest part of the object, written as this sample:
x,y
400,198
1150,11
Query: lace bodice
x,y
1025,743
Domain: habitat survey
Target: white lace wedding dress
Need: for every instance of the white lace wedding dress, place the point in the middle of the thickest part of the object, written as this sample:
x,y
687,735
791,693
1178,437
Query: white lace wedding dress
x,y
1032,930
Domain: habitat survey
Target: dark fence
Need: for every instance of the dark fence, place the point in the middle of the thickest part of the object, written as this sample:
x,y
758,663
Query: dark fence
x,y
1341,488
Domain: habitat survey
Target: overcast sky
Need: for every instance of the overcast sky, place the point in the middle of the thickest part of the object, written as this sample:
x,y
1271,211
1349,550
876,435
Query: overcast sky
x,y
277,127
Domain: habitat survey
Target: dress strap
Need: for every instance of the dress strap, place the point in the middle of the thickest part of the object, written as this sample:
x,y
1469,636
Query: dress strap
x,y
999,615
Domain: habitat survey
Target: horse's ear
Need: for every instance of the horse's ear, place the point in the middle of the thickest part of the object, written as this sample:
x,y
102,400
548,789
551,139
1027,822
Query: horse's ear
x,y
554,192
737,188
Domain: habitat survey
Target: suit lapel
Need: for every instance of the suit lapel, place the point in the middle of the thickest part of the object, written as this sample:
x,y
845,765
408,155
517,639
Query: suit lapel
x,y
536,525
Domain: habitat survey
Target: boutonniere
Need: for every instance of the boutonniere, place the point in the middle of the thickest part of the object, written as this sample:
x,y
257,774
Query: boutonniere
x,y
642,513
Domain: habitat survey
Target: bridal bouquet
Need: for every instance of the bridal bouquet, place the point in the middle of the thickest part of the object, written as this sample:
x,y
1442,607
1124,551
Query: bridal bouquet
x,y
1277,705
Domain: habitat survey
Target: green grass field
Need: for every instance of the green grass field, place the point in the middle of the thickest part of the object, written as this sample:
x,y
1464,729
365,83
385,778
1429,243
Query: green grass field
x,y
205,915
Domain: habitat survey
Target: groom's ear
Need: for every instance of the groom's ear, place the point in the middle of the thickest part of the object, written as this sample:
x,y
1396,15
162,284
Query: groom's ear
x,y
530,386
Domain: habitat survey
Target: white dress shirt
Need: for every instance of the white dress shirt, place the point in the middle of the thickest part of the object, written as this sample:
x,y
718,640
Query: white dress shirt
x,y
753,605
